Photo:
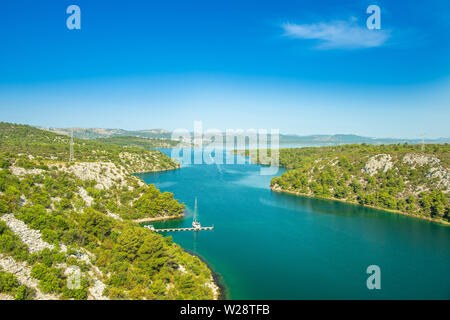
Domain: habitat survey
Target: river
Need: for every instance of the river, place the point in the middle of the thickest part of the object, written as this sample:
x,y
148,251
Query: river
x,y
269,245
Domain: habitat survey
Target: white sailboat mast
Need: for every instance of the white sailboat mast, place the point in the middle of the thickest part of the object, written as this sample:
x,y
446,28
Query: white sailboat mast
x,y
195,210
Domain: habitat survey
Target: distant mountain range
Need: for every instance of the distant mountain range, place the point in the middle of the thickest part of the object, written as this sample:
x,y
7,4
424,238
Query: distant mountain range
x,y
350,139
95,133
285,139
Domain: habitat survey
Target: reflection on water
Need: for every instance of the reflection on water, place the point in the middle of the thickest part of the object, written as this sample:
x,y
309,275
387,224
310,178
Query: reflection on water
x,y
166,184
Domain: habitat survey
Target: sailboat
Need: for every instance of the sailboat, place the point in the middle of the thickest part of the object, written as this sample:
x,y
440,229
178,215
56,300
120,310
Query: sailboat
x,y
195,224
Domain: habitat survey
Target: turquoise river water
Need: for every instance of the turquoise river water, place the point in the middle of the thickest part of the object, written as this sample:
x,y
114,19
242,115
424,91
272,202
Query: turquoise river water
x,y
269,245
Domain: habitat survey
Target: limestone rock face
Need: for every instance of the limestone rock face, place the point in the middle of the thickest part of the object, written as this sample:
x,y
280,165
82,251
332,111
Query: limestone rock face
x,y
375,163
437,171
443,177
23,273
32,238
420,159
96,290
105,173
84,195
6,297
21,172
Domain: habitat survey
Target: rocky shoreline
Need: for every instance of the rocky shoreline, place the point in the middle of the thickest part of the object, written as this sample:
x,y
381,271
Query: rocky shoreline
x,y
278,189
217,277
217,284
155,219
137,172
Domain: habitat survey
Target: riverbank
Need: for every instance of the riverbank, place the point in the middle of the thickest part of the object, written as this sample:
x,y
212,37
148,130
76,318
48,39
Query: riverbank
x,y
143,171
217,284
157,219
446,223
217,278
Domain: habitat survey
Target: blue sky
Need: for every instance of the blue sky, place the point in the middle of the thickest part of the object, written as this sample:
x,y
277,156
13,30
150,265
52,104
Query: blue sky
x,y
303,67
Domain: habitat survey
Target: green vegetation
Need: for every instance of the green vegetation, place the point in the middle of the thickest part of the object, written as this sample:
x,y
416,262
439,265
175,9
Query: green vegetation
x,y
89,224
95,133
398,177
341,139
139,142
11,286
49,147
11,244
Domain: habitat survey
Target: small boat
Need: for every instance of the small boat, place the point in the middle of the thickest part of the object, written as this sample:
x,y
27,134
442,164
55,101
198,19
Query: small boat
x,y
196,226
195,223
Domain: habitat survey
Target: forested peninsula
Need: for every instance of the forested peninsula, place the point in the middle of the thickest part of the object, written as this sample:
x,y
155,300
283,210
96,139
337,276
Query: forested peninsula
x,y
403,178
57,216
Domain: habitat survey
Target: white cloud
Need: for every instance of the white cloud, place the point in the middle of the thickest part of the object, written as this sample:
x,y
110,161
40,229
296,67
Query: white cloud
x,y
337,34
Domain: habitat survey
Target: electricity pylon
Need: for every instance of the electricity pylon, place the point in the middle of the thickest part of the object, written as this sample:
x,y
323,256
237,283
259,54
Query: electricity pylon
x,y
423,141
71,156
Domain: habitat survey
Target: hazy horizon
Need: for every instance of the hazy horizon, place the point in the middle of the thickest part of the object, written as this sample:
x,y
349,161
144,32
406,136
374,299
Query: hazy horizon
x,y
223,131
303,67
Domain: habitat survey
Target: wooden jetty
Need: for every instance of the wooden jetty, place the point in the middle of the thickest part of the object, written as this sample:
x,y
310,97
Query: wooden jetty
x,y
196,226
178,229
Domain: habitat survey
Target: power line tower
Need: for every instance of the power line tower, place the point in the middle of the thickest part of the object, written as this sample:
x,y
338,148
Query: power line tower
x,y
71,156
423,141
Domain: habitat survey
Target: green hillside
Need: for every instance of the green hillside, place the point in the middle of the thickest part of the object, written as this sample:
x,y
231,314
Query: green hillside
x,y
55,216
95,133
402,177
23,139
139,142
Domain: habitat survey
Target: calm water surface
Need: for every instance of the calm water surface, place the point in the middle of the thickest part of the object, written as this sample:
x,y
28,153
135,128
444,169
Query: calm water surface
x,y
268,245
